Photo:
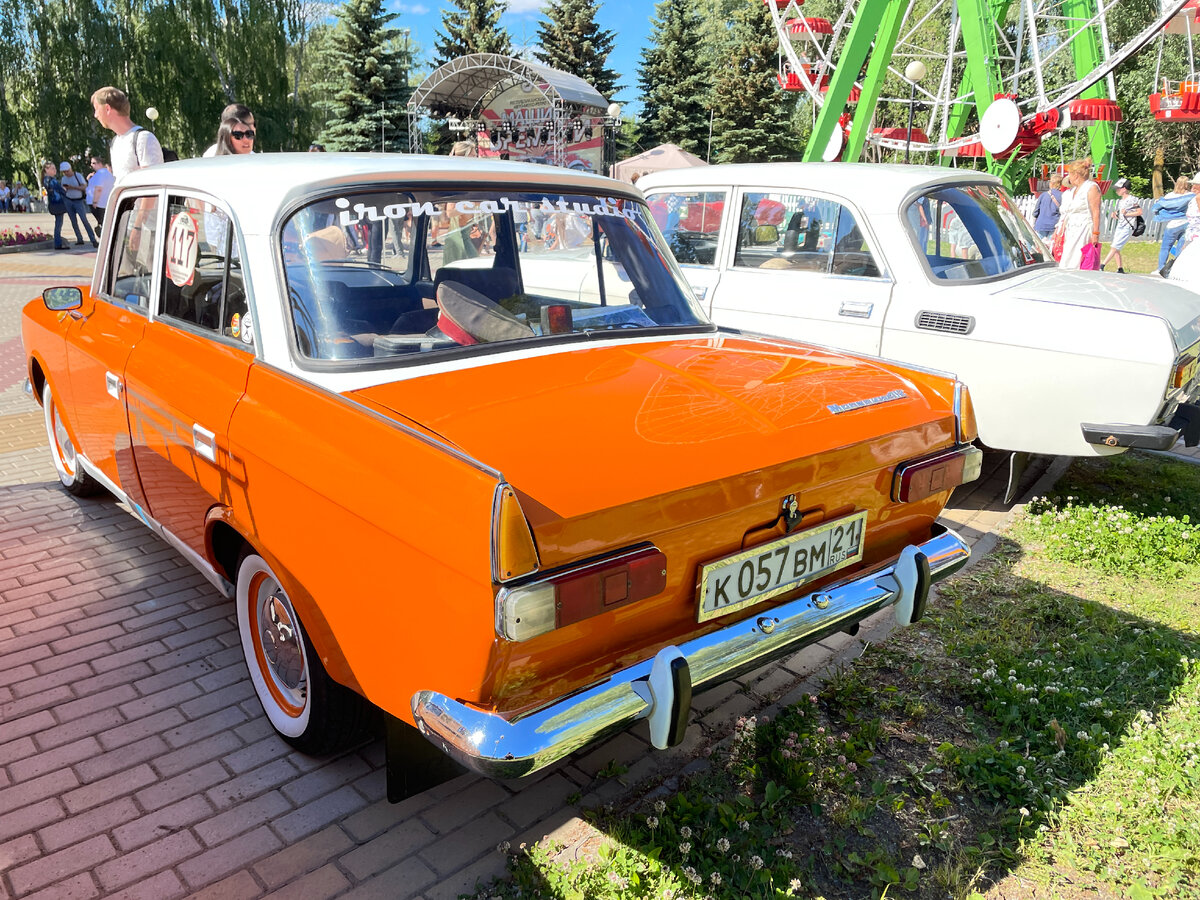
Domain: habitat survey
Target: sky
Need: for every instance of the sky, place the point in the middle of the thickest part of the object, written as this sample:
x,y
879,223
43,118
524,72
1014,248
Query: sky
x,y
628,19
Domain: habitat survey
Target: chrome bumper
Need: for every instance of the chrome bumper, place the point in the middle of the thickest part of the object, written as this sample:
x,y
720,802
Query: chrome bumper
x,y
660,688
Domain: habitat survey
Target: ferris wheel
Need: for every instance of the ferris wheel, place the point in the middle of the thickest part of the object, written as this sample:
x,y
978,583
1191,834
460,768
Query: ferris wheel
x,y
986,79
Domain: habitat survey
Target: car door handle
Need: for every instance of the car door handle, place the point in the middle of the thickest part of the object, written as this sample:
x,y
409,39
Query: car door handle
x,y
112,384
858,309
205,442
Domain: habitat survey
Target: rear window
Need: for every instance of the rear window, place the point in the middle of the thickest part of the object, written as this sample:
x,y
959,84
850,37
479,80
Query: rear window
x,y
969,232
403,275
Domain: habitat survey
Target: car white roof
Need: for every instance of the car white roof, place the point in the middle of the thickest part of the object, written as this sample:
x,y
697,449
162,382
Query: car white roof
x,y
257,185
872,186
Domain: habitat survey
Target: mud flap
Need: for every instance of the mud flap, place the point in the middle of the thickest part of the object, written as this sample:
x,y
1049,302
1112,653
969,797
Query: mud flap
x,y
413,763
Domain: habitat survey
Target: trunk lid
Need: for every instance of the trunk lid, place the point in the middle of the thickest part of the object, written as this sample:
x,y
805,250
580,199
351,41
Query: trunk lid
x,y
1149,295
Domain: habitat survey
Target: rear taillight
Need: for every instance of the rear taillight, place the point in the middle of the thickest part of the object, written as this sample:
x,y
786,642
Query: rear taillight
x,y
1185,371
923,478
514,553
964,414
580,592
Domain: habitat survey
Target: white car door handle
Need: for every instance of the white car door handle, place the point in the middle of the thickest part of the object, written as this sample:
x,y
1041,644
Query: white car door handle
x,y
858,309
112,384
205,442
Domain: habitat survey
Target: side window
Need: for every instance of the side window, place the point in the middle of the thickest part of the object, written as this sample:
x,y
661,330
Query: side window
x,y
202,281
691,222
131,269
851,255
787,231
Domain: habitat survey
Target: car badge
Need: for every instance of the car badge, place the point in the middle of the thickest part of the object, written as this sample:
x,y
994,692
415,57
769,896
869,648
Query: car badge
x,y
836,408
791,512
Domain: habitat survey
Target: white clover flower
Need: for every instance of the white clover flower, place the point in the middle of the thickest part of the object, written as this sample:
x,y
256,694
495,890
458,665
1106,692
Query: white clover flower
x,y
1082,735
685,832
723,845
652,821
744,825
715,878
685,848
660,806
756,863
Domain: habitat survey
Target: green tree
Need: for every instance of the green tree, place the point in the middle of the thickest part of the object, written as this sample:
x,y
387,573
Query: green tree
x,y
752,116
572,41
472,26
368,64
673,81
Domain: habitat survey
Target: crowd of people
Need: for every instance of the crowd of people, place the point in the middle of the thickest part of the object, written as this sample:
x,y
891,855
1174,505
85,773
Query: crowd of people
x,y
1068,214
68,195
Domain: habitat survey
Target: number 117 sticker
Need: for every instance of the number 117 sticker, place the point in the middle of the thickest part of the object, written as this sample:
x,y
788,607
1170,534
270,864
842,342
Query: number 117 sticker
x,y
183,249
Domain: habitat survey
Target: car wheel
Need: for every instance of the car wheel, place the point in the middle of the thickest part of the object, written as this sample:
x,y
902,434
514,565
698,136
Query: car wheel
x,y
62,450
308,709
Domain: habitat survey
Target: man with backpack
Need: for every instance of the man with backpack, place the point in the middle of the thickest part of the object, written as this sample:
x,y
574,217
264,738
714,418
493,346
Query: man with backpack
x,y
133,147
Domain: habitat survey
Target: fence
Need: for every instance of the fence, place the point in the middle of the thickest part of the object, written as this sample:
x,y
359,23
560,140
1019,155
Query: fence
x,y
1107,222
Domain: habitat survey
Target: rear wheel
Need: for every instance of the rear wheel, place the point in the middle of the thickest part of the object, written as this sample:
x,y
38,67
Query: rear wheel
x,y
310,710
62,450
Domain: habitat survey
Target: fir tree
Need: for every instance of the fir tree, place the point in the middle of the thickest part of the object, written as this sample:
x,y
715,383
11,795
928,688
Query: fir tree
x,y
472,26
368,66
572,41
752,118
673,82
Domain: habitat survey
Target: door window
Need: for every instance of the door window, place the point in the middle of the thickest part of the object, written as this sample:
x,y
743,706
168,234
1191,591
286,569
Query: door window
x,y
801,232
131,269
202,282
691,222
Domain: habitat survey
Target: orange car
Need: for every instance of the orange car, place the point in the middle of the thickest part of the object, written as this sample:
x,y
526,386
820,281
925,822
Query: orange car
x,y
518,518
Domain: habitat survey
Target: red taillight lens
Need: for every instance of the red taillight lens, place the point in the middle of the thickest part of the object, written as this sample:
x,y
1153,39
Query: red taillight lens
x,y
556,319
587,592
575,594
925,477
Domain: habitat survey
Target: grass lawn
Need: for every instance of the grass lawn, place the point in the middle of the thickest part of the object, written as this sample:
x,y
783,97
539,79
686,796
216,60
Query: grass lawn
x,y
1138,256
1036,736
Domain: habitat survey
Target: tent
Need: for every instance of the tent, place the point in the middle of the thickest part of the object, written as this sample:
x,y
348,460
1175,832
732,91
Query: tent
x,y
666,156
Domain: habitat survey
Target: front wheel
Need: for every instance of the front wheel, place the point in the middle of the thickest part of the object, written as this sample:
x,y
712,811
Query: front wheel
x,y
62,450
310,710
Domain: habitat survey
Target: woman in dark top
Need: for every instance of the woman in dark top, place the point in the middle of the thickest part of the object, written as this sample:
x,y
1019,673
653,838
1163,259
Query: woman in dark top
x,y
56,201
1046,212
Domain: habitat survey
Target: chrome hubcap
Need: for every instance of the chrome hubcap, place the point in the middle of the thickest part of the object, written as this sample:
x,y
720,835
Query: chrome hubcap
x,y
280,640
66,450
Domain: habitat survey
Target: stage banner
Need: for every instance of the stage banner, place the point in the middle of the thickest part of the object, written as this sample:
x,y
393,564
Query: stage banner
x,y
519,129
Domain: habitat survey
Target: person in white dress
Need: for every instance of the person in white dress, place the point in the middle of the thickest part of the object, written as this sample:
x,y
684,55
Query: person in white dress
x,y
1079,214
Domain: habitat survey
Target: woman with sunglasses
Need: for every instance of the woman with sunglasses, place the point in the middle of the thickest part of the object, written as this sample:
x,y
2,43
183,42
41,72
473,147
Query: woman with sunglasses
x,y
236,132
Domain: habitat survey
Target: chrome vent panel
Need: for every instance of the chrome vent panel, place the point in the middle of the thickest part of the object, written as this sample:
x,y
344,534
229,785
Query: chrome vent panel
x,y
948,322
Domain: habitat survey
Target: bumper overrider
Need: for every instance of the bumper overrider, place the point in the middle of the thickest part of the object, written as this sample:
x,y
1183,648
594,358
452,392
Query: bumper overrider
x,y
660,689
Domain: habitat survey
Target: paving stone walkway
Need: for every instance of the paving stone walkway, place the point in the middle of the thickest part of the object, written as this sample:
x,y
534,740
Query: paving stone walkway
x,y
135,760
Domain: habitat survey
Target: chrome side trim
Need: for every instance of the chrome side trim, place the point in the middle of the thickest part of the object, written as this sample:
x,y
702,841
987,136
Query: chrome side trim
x,y
211,575
494,746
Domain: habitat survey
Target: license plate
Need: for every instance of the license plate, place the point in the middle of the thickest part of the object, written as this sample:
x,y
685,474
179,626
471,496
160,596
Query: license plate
x,y
771,569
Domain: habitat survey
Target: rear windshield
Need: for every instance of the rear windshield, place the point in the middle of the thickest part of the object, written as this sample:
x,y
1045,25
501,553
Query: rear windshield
x,y
970,232
402,275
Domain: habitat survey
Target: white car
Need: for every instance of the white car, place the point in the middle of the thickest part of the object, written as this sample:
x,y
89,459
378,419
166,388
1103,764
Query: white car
x,y
1186,269
937,267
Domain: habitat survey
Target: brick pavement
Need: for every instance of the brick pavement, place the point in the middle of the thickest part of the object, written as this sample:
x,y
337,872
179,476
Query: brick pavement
x,y
135,760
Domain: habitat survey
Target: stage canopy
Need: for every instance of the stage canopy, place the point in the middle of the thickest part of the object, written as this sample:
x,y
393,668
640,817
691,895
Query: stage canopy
x,y
467,86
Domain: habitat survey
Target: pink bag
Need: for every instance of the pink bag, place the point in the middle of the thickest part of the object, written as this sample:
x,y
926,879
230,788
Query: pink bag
x,y
1089,257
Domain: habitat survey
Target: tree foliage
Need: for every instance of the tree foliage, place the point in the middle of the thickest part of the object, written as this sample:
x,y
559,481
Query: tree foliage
x,y
752,116
572,41
674,81
471,26
368,63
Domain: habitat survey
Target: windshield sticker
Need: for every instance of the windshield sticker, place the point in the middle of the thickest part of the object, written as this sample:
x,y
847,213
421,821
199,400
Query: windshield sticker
x,y
352,214
247,329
